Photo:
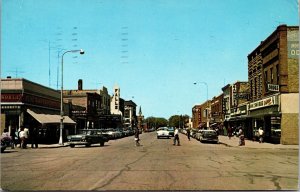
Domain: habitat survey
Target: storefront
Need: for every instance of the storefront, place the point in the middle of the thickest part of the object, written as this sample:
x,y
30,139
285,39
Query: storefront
x,y
265,113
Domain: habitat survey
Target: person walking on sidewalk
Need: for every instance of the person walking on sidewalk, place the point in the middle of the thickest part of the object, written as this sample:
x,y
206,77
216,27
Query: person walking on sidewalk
x,y
188,133
241,136
261,135
34,138
176,137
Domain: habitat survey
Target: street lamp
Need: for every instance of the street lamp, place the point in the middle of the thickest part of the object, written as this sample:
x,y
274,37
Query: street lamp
x,y
61,94
207,121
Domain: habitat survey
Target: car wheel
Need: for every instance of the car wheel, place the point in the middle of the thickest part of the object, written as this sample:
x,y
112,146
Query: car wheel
x,y
72,145
101,143
201,139
88,145
157,137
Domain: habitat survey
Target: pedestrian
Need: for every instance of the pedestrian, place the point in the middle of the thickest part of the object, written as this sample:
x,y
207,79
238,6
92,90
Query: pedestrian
x,y
34,138
26,135
176,136
188,133
229,132
5,138
6,134
260,135
13,139
22,137
136,137
241,136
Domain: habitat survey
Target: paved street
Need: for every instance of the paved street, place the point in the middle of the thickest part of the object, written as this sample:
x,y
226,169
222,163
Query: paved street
x,y
156,165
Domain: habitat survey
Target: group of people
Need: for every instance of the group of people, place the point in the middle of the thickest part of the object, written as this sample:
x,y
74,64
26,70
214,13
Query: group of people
x,y
22,136
240,134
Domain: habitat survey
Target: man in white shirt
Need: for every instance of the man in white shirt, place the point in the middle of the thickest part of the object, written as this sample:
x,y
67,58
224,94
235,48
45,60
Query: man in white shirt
x,y
176,137
260,134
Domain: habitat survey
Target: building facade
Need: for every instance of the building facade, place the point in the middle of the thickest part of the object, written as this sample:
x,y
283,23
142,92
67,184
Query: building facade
x,y
271,108
130,118
28,104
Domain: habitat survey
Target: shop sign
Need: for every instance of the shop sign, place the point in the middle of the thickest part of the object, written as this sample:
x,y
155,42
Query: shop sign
x,y
11,97
241,95
262,103
272,87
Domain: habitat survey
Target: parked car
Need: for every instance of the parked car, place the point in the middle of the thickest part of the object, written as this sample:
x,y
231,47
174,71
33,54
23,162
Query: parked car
x,y
162,132
193,132
87,137
171,131
209,136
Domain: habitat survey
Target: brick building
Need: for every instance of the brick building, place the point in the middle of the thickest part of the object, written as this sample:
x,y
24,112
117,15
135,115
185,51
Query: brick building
x,y
217,115
196,116
273,74
90,108
201,115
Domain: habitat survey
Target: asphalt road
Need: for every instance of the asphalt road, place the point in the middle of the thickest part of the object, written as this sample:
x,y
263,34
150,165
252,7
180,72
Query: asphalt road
x,y
156,165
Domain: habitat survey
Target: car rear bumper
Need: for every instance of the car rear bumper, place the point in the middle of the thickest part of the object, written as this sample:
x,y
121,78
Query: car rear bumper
x,y
210,140
77,143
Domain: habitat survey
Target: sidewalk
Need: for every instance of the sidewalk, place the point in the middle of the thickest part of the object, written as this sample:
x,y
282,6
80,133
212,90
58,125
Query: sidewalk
x,y
53,145
234,142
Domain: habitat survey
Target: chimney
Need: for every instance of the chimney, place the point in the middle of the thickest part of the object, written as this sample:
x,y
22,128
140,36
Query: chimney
x,y
80,84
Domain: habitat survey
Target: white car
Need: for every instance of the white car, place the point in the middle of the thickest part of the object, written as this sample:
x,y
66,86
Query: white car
x,y
162,132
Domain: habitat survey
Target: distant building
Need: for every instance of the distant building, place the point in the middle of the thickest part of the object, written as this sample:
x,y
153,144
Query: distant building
x,y
217,115
90,108
140,119
130,118
201,115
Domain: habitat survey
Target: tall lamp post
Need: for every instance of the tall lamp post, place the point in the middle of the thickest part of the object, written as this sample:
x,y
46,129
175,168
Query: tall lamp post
x,y
207,120
61,94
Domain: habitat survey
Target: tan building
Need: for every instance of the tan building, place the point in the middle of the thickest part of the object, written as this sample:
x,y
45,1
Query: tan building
x,y
29,104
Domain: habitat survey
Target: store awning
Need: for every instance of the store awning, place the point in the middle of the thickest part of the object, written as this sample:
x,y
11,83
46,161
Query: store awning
x,y
44,118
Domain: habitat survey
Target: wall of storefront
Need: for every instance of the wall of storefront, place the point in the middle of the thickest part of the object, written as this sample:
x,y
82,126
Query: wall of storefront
x,y
289,118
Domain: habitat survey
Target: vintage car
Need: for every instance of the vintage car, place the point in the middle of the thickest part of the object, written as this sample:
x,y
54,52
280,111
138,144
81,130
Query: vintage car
x,y
87,137
209,136
162,132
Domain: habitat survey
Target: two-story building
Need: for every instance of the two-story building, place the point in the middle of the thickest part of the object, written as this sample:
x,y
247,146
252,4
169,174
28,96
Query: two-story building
x,y
29,104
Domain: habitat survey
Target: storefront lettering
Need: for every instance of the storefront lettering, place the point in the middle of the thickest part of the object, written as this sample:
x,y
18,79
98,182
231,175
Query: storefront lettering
x,y
293,49
11,97
262,103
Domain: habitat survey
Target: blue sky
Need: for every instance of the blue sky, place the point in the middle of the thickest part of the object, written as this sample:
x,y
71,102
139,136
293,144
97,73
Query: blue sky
x,y
153,49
